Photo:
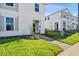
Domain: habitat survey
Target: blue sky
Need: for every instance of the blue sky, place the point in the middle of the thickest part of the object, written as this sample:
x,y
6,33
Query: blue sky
x,y
52,7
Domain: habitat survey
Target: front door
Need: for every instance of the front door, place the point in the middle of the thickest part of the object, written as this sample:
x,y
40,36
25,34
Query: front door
x,y
56,26
36,26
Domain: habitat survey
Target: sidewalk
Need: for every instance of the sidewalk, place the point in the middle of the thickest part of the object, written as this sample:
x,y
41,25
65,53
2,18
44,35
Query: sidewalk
x,y
62,45
72,51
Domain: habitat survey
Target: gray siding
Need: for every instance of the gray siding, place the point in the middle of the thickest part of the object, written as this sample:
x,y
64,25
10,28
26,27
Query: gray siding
x,y
9,8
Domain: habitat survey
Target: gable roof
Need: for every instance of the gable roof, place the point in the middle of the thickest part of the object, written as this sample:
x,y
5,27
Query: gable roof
x,y
59,11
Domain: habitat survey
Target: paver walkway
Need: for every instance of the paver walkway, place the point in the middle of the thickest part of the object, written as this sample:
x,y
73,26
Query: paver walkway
x,y
72,51
62,45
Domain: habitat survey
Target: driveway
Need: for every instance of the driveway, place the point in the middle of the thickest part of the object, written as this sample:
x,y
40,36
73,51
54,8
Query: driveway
x,y
72,51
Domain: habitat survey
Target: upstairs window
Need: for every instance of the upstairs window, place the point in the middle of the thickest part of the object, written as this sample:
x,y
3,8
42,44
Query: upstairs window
x,y
73,23
36,7
9,23
10,4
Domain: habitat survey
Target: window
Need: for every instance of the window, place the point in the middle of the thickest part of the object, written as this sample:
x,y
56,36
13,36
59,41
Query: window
x,y
9,24
36,7
64,25
68,26
73,23
10,4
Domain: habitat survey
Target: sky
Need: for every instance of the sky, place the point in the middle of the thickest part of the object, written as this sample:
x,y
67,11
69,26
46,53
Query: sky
x,y
53,7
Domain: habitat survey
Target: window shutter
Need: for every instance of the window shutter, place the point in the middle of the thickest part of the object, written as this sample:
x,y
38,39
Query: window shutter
x,y
17,24
1,23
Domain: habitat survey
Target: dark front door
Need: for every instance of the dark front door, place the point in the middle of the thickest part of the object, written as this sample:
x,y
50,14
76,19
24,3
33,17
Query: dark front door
x,y
56,26
33,27
36,26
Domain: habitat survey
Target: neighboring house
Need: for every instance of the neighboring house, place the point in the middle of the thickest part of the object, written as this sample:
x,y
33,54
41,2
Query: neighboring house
x,y
61,20
21,19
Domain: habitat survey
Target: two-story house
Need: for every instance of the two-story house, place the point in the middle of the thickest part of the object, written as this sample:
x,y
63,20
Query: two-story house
x,y
61,20
18,19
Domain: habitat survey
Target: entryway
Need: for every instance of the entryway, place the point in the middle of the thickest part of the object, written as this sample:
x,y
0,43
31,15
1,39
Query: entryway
x,y
36,26
56,26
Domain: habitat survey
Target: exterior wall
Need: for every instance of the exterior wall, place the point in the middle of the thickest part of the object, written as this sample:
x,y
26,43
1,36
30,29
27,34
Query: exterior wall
x,y
23,18
29,14
70,20
75,22
3,6
37,16
4,13
50,24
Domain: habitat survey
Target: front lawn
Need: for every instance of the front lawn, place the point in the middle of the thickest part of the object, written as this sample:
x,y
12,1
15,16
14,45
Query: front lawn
x,y
74,38
23,47
70,38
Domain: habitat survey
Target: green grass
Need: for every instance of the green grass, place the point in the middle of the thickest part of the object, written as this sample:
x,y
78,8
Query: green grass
x,y
23,47
74,38
53,34
70,38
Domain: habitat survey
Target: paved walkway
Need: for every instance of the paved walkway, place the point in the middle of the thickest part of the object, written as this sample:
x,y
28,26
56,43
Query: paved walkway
x,y
62,45
72,51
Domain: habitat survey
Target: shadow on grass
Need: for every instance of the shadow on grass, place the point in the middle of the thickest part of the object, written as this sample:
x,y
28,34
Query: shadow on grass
x,y
13,38
17,38
68,34
7,40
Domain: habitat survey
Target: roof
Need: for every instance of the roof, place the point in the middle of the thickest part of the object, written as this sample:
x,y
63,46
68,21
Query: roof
x,y
60,11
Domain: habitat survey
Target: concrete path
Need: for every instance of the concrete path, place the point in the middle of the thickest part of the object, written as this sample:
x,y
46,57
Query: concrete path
x,y
62,45
72,51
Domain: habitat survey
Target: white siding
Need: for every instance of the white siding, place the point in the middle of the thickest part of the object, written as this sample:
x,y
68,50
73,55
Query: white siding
x,y
59,17
24,19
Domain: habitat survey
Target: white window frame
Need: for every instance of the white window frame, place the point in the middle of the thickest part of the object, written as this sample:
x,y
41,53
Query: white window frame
x,y
13,21
9,6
